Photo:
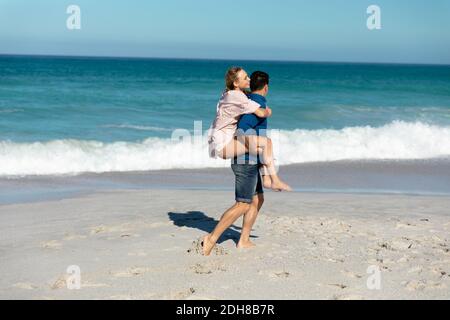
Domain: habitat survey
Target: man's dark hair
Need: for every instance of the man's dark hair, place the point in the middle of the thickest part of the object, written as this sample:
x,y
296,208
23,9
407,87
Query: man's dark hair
x,y
258,80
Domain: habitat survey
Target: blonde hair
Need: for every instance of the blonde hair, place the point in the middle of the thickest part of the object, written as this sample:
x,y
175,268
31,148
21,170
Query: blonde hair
x,y
231,76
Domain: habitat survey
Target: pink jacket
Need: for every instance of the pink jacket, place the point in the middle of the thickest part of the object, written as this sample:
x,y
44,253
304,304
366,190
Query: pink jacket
x,y
232,105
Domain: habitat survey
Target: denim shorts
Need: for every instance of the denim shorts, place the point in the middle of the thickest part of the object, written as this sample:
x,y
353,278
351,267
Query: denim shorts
x,y
248,182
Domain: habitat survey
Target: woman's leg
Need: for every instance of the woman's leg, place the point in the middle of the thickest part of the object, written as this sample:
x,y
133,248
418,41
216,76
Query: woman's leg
x,y
240,146
233,149
263,147
255,145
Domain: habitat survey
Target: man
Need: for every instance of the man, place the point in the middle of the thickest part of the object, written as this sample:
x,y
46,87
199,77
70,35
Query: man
x,y
248,183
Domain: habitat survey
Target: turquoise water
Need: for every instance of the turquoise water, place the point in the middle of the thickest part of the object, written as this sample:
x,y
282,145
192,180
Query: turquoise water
x,y
100,107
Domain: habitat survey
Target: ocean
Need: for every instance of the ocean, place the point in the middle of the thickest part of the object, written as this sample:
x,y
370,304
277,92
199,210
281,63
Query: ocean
x,y
73,115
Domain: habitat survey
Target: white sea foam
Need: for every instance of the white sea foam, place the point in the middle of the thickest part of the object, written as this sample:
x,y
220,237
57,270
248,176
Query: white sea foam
x,y
136,127
397,140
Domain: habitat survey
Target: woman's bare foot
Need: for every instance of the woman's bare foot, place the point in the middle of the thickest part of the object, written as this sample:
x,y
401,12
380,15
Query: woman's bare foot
x,y
245,244
279,185
207,245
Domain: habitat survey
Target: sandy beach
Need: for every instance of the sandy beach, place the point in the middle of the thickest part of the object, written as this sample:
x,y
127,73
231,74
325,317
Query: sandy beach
x,y
118,128
143,244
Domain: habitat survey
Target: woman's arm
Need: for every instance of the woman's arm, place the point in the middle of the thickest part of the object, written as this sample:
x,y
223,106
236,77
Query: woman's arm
x,y
263,113
249,106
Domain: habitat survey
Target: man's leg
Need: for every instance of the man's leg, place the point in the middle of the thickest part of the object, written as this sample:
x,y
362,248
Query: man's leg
x,y
227,219
245,185
249,220
251,215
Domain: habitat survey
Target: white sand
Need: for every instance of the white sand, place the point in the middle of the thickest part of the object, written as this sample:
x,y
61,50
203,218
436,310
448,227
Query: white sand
x,y
310,246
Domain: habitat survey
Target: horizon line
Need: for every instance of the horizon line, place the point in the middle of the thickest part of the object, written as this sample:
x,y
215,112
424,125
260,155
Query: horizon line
x,y
218,59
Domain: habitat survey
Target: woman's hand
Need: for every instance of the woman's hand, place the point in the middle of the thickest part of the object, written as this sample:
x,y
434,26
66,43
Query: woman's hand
x,y
263,112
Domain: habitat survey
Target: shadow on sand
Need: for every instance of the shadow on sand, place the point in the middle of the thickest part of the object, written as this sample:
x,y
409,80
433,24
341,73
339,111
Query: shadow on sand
x,y
199,220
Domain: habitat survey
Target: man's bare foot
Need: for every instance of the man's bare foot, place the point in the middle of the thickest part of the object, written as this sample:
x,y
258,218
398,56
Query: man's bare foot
x,y
245,244
267,182
279,185
207,245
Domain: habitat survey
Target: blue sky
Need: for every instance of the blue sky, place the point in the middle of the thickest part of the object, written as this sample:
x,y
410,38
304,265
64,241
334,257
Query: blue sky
x,y
413,31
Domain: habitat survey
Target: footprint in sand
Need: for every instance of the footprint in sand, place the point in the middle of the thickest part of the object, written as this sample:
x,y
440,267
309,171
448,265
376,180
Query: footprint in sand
x,y
122,231
404,259
196,248
351,274
127,228
98,229
275,274
208,267
420,285
60,283
335,259
402,244
282,274
122,228
52,244
338,285
416,269
71,236
131,272
440,272
396,244
406,225
25,286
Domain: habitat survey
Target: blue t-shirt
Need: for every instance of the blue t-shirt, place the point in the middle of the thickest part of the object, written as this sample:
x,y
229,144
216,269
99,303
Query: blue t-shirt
x,y
250,125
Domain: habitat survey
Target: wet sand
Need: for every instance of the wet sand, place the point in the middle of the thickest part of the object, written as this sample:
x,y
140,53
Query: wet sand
x,y
420,177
